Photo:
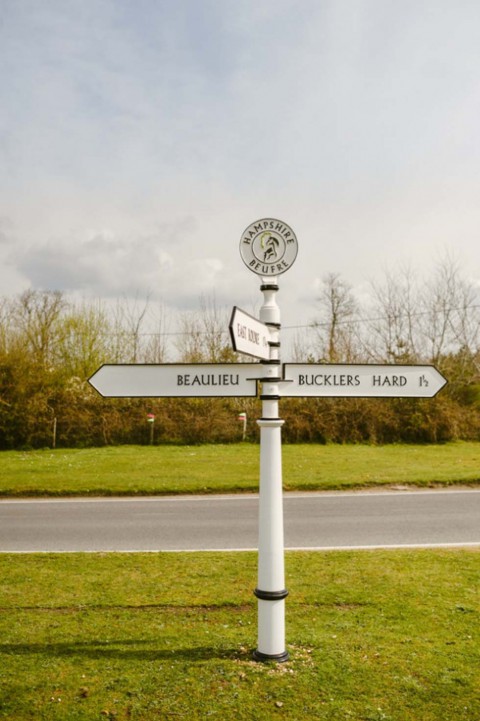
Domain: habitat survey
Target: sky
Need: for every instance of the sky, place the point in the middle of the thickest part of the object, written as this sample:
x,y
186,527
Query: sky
x,y
139,138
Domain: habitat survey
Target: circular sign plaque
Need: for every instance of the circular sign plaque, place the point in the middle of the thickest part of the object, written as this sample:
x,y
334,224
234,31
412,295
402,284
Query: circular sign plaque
x,y
268,247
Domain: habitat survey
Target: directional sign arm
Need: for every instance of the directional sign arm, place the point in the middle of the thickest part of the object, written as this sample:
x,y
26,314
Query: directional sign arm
x,y
361,381
249,335
177,380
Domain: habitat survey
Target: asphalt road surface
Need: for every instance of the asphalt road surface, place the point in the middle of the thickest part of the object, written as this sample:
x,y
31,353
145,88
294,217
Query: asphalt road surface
x,y
312,521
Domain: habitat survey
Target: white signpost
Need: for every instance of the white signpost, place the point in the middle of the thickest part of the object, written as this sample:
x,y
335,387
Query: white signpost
x,y
269,248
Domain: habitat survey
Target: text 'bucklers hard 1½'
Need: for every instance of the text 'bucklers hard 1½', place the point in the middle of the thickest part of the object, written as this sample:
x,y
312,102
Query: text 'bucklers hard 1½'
x,y
268,247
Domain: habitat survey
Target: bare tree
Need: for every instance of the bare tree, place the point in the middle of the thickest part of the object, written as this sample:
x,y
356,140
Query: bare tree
x,y
451,323
129,317
435,320
215,329
302,351
156,347
439,300
394,318
5,324
204,334
451,320
36,314
336,322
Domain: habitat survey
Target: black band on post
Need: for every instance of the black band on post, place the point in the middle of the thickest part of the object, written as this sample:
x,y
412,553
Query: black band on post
x,y
270,286
274,344
271,595
270,398
274,658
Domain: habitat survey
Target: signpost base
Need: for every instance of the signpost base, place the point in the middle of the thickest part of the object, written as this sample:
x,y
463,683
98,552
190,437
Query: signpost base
x,y
271,628
265,658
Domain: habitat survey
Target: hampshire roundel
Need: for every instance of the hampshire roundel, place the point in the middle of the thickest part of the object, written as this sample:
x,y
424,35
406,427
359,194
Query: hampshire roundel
x,y
268,247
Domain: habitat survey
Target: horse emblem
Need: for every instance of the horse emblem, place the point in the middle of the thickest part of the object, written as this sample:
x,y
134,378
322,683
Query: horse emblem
x,y
270,246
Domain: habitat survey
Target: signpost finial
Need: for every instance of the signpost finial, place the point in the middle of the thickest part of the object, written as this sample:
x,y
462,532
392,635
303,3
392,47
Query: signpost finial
x,y
268,247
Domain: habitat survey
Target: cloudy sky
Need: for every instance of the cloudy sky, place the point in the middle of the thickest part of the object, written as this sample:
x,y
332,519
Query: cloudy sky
x,y
138,138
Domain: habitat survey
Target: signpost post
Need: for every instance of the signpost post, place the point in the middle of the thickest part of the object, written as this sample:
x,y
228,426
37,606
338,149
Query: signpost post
x,y
268,248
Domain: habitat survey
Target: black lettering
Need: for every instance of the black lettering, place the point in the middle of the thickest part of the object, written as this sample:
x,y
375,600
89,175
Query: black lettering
x,y
179,380
301,380
196,381
376,380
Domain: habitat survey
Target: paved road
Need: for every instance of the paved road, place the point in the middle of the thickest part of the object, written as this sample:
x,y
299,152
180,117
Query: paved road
x,y
318,520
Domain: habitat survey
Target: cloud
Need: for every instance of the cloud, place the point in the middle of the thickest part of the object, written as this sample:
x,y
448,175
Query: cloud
x,y
6,231
161,95
102,263
139,140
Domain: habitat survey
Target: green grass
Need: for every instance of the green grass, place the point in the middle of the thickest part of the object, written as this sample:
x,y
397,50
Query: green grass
x,y
373,636
232,468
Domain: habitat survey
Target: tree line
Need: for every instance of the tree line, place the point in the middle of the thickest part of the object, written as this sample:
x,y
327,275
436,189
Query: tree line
x,y
50,346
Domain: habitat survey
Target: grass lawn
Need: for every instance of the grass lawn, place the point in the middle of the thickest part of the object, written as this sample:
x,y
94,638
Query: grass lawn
x,y
231,468
373,636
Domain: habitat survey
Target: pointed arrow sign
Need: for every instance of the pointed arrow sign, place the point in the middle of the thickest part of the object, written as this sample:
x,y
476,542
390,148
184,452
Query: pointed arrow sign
x,y
173,380
361,381
249,335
